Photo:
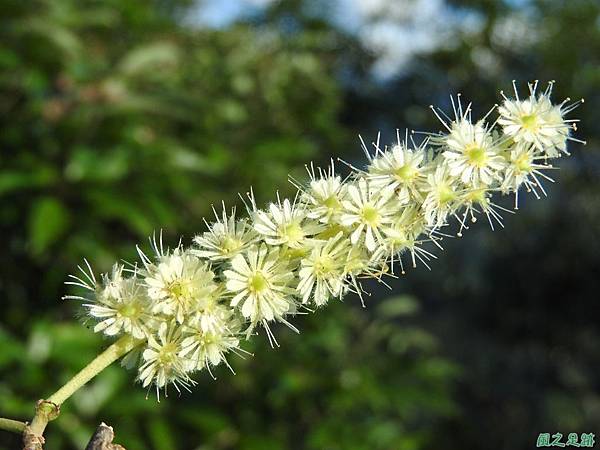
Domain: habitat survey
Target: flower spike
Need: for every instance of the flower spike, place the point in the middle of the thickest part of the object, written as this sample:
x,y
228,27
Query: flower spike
x,y
189,308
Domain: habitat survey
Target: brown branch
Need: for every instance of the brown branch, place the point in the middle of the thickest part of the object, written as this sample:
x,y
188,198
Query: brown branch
x,y
32,441
102,439
33,434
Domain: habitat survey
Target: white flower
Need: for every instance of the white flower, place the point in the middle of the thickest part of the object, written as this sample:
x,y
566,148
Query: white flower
x,y
321,272
324,195
162,363
203,348
178,283
554,119
359,263
441,195
399,169
367,210
524,169
225,238
479,201
405,228
211,315
261,282
535,121
286,224
403,235
472,153
121,305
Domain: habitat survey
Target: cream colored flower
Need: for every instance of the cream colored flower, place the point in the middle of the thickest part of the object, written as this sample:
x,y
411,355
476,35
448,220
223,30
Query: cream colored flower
x,y
161,360
225,238
286,223
121,305
479,201
177,283
324,195
367,211
442,194
212,313
399,169
536,121
472,153
525,169
203,348
322,271
262,285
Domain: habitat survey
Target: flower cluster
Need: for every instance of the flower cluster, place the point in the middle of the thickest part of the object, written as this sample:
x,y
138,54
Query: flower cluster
x,y
189,307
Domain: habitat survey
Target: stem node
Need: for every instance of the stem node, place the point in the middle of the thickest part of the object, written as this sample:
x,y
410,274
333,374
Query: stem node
x,y
49,409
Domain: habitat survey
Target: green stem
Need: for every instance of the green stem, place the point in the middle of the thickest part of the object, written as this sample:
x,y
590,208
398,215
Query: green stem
x,y
15,426
49,409
101,362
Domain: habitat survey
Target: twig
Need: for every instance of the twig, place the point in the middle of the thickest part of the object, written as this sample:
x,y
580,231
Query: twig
x,y
47,410
32,441
15,426
102,439
33,435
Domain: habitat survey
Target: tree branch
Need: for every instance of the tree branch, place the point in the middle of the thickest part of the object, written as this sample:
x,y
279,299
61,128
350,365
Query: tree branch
x,y
15,426
102,439
47,410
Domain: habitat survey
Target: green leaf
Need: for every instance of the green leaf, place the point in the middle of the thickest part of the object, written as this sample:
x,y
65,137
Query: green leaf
x,y
95,165
11,181
161,434
64,39
48,220
155,56
15,181
131,211
403,305
12,349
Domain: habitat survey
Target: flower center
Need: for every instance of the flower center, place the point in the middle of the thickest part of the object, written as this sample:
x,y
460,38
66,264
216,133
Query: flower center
x,y
523,164
445,194
323,265
477,196
207,339
332,203
129,310
530,122
167,355
370,215
293,232
179,289
257,282
476,155
405,173
230,244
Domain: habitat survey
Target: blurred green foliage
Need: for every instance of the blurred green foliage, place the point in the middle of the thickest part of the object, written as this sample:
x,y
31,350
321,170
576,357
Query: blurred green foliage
x,y
353,379
118,118
117,121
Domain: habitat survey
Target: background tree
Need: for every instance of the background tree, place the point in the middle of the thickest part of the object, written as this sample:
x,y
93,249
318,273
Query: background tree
x,y
120,117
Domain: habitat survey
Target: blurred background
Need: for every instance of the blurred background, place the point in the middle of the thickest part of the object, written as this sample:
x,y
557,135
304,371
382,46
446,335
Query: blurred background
x,y
120,117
